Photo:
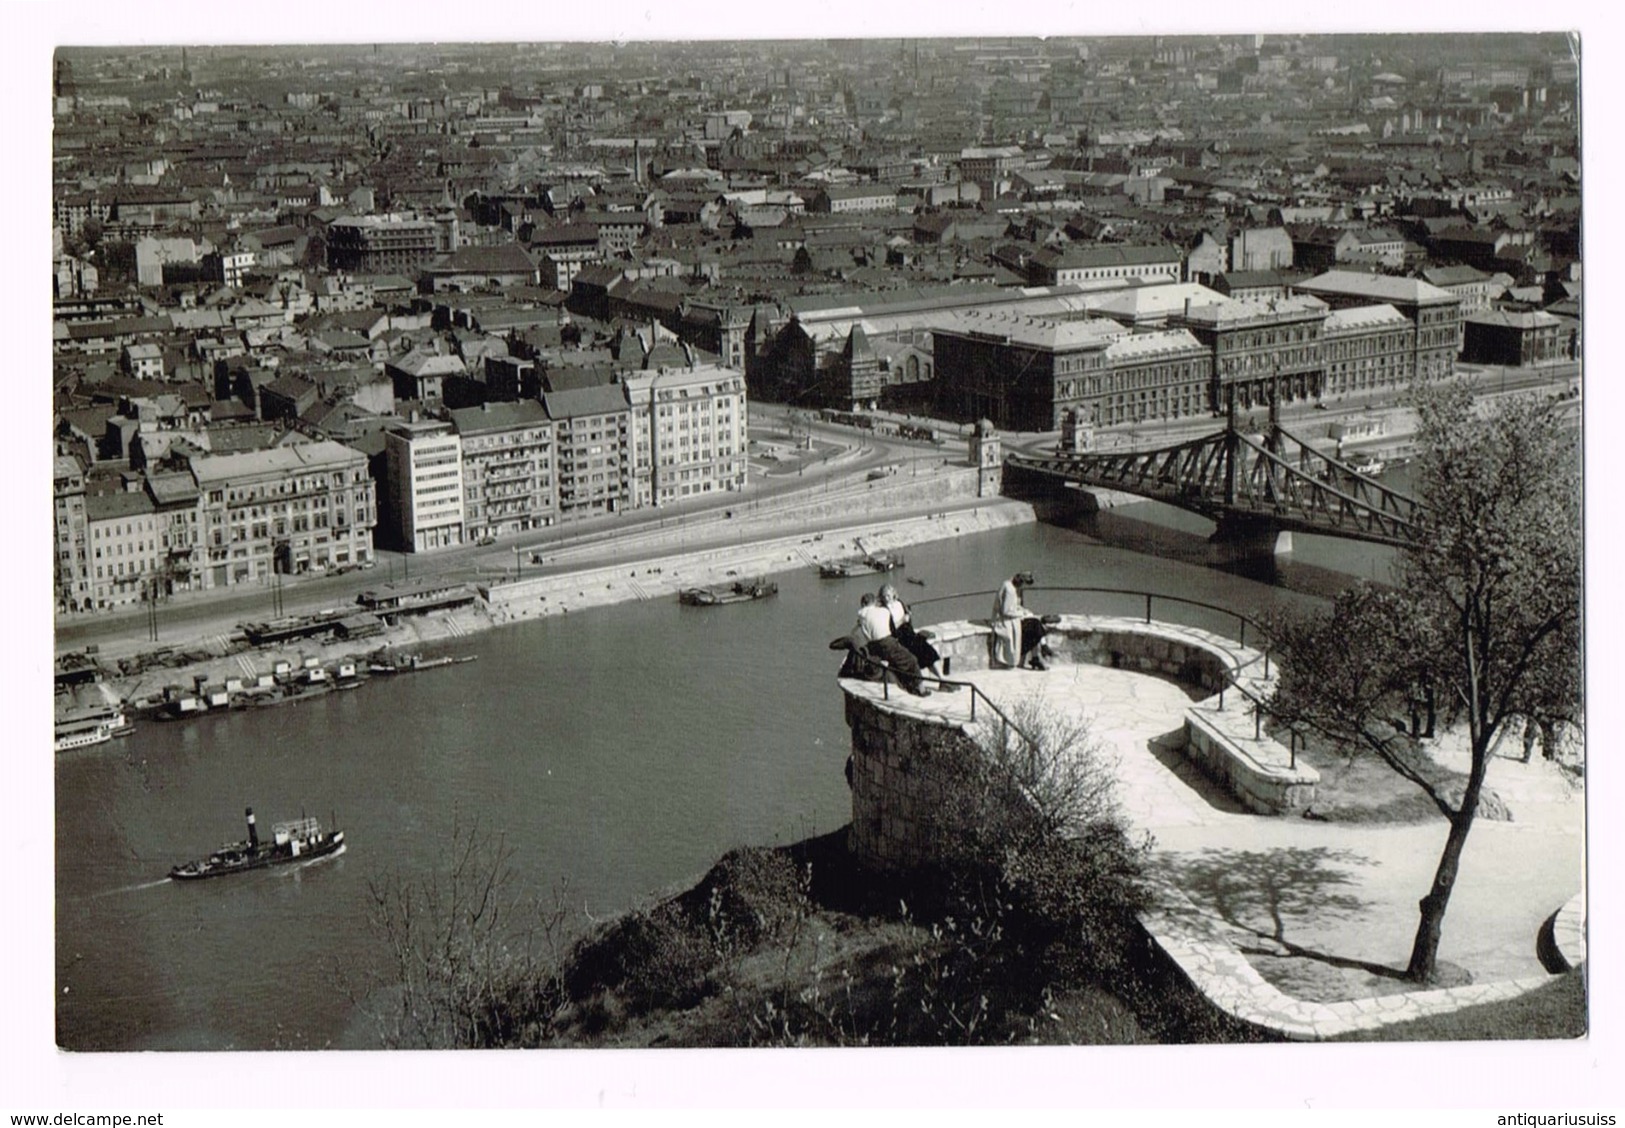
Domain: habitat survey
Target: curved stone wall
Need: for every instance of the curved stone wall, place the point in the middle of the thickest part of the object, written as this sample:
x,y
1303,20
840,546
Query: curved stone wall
x,y
1119,643
904,753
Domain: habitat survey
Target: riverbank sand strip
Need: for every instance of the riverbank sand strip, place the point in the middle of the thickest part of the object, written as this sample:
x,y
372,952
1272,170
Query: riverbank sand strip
x,y
665,576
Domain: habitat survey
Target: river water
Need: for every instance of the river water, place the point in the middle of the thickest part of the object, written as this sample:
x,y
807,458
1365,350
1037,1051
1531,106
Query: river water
x,y
618,751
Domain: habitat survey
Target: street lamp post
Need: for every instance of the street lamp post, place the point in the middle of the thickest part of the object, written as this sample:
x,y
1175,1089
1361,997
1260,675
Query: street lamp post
x,y
518,565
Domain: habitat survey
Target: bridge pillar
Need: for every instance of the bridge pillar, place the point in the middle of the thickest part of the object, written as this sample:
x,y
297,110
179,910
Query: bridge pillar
x,y
1239,539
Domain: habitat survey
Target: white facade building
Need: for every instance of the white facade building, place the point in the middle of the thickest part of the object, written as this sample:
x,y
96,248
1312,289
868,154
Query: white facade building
x,y
424,468
688,432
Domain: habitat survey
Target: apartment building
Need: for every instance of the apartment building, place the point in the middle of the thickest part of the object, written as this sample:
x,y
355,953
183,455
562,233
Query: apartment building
x,y
423,485
72,571
381,244
290,509
510,478
593,432
688,432
125,553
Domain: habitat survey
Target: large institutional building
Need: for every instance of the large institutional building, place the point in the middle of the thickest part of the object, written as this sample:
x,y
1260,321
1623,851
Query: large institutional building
x,y
1342,333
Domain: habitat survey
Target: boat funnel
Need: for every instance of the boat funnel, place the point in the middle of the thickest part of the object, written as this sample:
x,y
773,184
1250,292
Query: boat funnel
x,y
253,835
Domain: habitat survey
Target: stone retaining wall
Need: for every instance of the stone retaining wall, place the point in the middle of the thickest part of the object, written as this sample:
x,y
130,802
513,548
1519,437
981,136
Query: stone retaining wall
x,y
1264,789
1080,639
903,768
900,753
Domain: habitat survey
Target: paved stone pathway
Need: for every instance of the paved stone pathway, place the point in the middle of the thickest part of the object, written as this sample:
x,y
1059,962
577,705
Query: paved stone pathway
x,y
1327,898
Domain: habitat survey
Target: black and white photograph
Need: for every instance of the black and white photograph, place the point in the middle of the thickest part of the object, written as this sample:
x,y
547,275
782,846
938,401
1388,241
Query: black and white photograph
x,y
827,541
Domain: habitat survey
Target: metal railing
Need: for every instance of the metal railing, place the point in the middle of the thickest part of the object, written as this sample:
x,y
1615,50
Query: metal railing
x,y
1150,598
1233,674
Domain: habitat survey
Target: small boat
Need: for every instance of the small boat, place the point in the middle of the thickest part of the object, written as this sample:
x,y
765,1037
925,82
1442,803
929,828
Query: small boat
x,y
1367,464
868,564
412,663
737,592
292,694
914,580
300,840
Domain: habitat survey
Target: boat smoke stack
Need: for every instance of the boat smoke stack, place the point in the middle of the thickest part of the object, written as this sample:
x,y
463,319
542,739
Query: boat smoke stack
x,y
253,834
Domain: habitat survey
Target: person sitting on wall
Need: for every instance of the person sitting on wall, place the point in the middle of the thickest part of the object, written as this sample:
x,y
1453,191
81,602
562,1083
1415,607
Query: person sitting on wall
x,y
1018,634
902,629
871,642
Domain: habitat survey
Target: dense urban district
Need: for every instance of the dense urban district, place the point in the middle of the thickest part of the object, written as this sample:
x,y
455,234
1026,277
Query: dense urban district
x,y
310,303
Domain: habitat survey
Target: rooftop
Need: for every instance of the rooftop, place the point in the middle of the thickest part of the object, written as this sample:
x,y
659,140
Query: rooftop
x,y
1240,311
1377,287
1364,317
597,399
1034,331
218,469
1140,346
497,417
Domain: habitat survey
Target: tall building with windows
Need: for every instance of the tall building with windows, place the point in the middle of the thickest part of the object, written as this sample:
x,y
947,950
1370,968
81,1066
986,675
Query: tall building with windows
x,y
688,432
71,534
424,485
1260,348
1435,313
510,480
381,244
593,429
122,536
291,509
1365,348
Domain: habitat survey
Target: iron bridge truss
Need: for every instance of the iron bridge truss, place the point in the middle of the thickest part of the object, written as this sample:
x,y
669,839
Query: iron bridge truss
x,y
1281,480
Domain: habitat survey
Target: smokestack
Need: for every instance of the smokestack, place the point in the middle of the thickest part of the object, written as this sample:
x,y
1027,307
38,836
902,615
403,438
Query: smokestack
x,y
253,834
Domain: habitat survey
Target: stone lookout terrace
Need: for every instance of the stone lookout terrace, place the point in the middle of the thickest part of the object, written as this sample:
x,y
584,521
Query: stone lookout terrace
x,y
1293,924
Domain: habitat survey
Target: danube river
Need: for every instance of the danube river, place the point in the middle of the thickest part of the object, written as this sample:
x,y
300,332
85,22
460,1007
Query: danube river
x,y
617,752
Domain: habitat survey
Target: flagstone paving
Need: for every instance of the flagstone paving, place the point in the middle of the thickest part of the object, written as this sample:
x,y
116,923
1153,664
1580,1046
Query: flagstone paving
x,y
1328,906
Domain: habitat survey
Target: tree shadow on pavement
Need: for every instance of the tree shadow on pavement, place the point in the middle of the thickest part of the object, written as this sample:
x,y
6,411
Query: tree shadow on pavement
x,y
1271,893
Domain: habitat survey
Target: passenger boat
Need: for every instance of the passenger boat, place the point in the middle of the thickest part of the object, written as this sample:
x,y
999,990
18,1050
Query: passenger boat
x,y
868,564
89,729
299,840
737,592
1367,464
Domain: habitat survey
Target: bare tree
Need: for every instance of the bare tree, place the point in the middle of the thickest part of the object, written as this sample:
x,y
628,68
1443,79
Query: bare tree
x,y
1060,774
473,962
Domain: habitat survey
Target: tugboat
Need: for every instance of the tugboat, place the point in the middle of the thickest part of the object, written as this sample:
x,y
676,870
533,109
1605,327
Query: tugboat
x,y
300,840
